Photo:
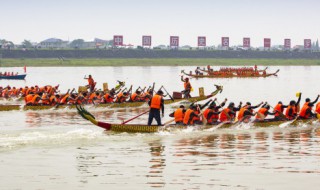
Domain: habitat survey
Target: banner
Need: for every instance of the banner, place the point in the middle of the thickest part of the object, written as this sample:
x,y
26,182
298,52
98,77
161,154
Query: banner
x,y
202,41
267,42
225,41
174,41
118,40
287,43
246,42
307,43
146,40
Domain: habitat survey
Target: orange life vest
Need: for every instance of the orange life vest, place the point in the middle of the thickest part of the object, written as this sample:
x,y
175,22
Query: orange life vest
x,y
224,116
64,99
278,109
45,100
262,111
187,117
303,112
90,81
133,97
178,115
241,112
28,98
187,86
214,117
156,101
293,111
318,108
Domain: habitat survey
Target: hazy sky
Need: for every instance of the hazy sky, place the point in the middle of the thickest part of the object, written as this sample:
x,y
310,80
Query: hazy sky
x,y
37,20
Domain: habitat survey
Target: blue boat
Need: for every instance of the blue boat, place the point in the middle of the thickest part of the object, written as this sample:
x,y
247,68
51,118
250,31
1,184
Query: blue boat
x,y
14,77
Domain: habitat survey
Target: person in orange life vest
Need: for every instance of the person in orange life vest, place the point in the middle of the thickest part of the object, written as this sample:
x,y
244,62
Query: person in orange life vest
x,y
110,96
212,113
45,99
229,113
156,103
246,112
35,100
187,87
190,114
318,108
197,119
306,111
122,97
91,83
278,111
148,95
308,101
178,114
291,111
135,97
264,110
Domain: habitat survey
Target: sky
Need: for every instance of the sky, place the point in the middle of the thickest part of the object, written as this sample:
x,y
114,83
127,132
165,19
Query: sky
x,y
37,20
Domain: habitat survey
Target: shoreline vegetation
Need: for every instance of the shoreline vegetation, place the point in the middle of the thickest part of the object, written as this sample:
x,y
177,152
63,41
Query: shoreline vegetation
x,y
155,62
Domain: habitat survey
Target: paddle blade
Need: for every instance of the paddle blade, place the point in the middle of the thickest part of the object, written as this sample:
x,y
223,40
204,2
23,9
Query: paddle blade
x,y
298,94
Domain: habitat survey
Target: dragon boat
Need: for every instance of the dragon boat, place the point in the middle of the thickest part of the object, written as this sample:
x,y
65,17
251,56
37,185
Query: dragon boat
x,y
140,128
228,75
109,105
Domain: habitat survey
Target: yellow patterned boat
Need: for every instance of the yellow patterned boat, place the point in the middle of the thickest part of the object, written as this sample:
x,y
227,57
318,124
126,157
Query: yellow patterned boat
x,y
140,128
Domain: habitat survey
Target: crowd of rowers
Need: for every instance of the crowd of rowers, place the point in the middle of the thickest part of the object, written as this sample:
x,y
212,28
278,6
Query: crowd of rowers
x,y
233,70
49,95
216,114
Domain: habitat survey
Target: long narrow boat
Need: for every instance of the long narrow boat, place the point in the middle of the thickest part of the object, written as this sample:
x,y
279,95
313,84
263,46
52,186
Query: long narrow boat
x,y
140,128
110,105
14,77
230,75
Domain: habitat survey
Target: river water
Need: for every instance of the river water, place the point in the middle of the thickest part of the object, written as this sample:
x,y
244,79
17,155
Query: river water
x,y
55,149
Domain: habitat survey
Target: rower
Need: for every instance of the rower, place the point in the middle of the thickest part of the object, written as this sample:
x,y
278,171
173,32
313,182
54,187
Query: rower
x,y
189,115
156,103
91,83
229,113
187,87
178,114
318,110
197,120
212,113
246,112
306,111
291,111
308,101
263,112
278,111
122,97
135,97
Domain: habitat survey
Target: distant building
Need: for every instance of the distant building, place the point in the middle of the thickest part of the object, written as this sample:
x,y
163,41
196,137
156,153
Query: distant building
x,y
53,43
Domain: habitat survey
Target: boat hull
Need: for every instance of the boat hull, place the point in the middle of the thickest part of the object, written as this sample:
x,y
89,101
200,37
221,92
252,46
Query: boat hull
x,y
138,128
14,77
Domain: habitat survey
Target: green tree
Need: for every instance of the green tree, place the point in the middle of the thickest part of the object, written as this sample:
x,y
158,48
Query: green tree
x,y
27,44
77,43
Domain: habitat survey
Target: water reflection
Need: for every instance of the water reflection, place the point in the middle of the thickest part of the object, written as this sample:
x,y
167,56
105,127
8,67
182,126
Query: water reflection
x,y
273,150
158,164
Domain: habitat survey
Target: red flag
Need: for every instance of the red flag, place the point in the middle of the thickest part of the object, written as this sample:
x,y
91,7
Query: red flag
x,y
25,69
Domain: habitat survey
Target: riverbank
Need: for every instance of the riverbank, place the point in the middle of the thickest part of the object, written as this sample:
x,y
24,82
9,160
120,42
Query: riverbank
x,y
155,62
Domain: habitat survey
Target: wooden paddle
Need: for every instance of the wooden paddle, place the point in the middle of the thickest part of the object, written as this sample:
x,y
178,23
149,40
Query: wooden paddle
x,y
167,93
170,121
135,117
